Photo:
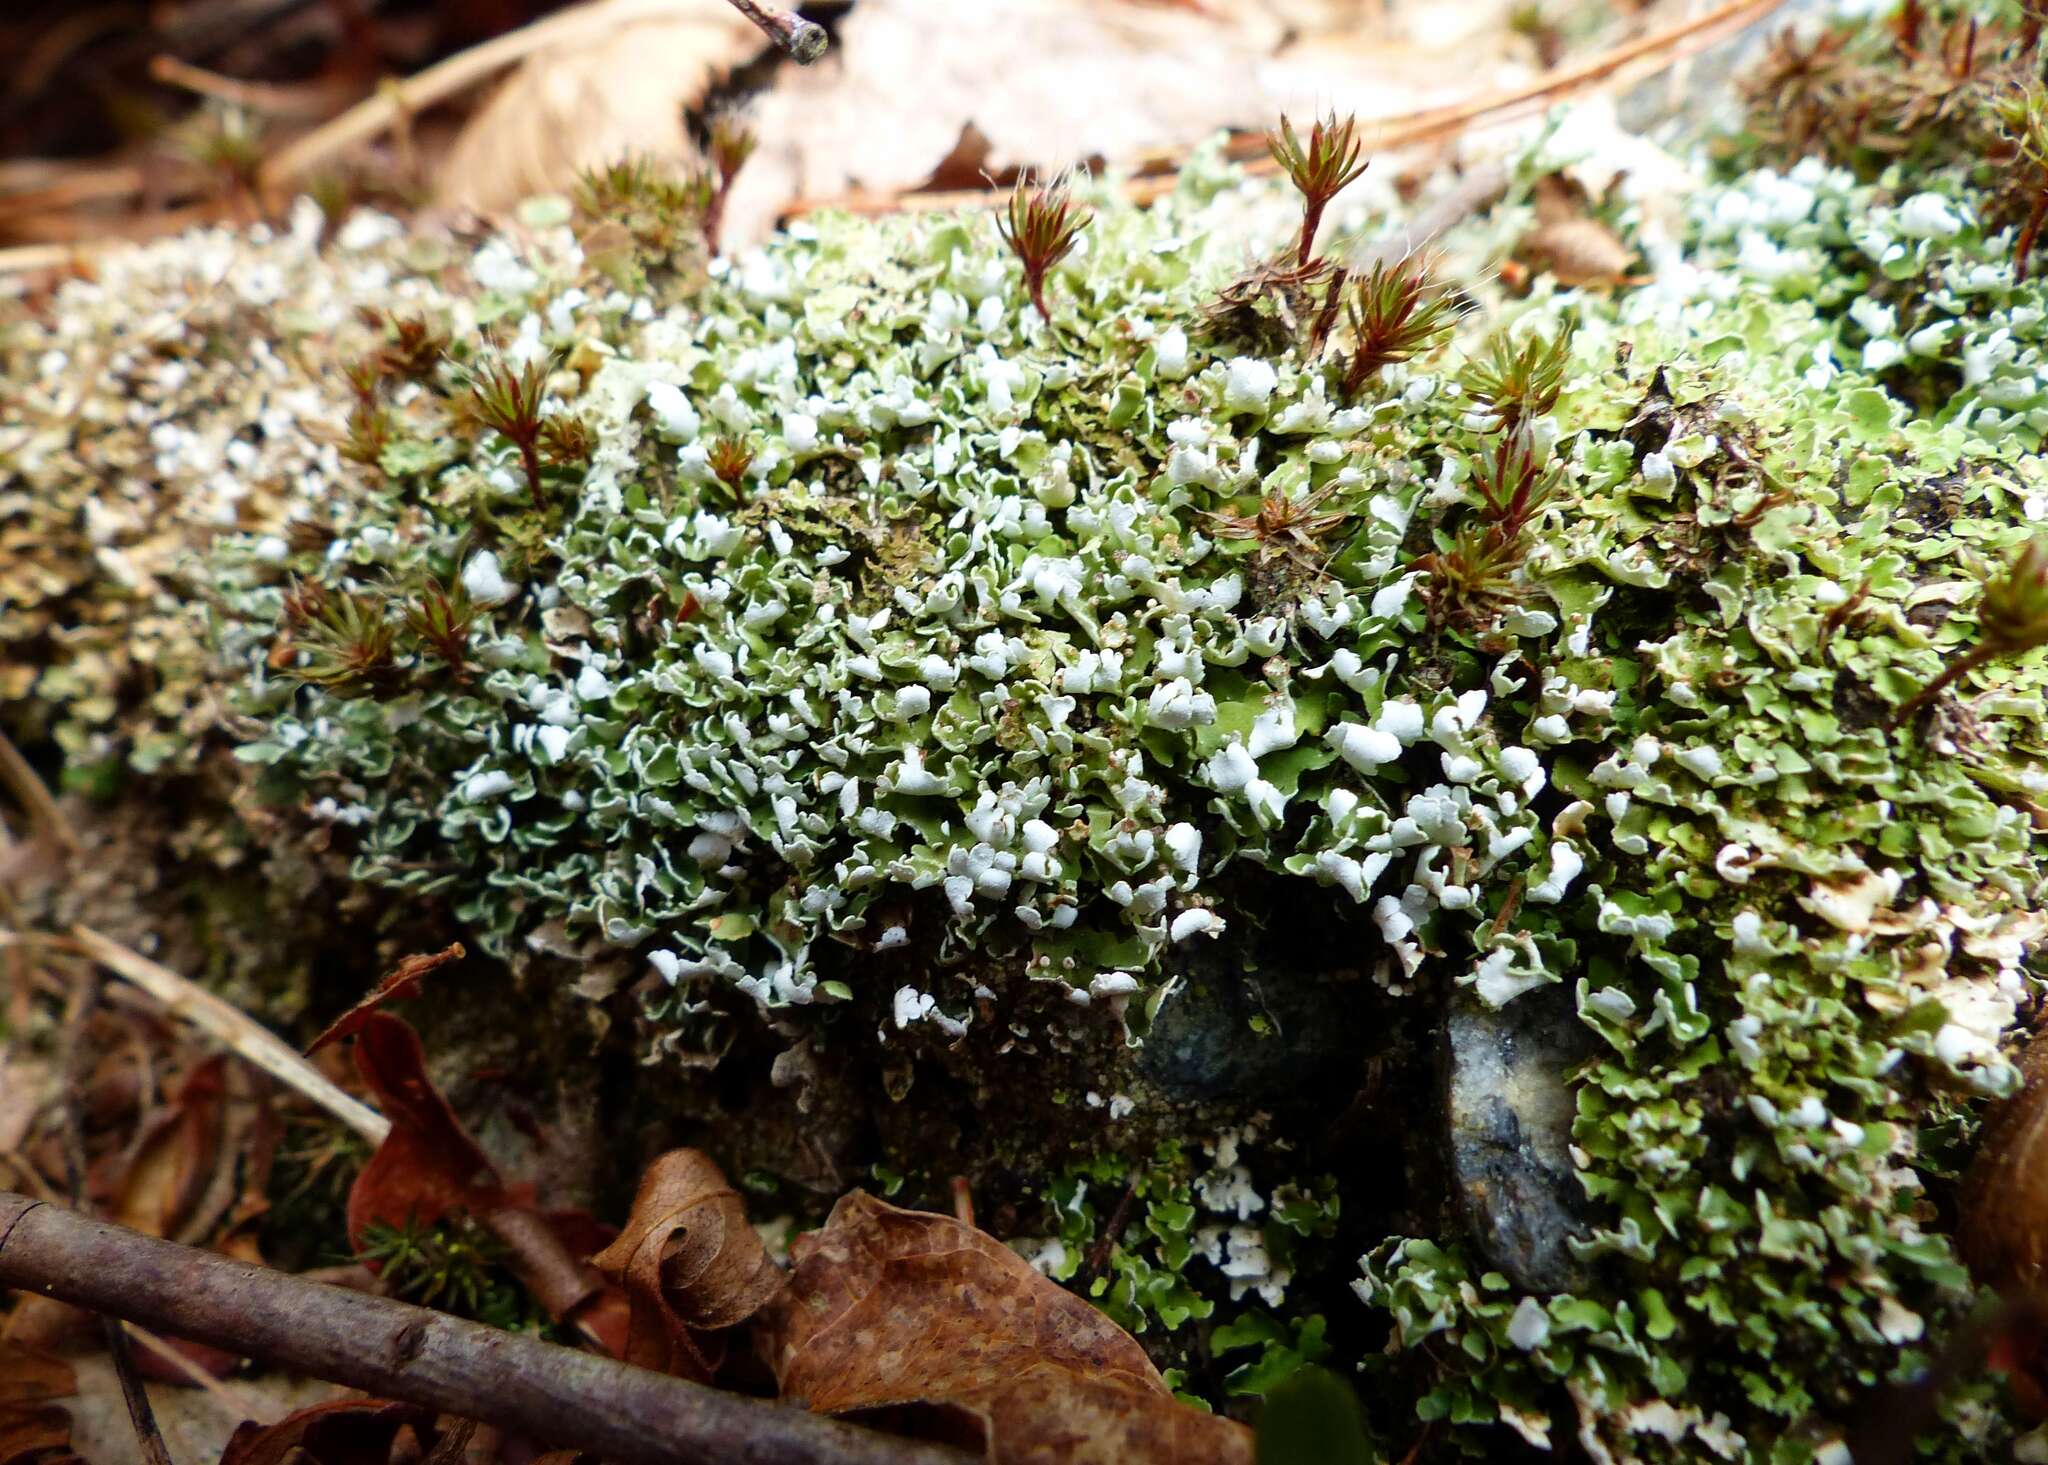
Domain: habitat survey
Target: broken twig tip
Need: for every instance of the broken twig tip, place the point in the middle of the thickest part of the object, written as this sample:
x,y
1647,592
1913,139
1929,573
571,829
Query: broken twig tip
x,y
801,40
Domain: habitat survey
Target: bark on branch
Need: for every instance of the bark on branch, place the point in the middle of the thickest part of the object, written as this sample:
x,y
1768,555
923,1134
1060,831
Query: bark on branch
x,y
395,1351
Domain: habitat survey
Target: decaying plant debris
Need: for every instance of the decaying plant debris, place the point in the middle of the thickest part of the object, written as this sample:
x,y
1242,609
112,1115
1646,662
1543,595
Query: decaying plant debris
x,y
1144,716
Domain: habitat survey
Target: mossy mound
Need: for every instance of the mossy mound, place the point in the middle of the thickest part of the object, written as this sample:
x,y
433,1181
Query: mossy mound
x,y
849,653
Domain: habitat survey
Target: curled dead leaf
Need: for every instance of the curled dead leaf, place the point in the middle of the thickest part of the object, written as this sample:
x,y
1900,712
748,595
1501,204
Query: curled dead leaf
x,y
28,1376
895,1309
616,89
428,1165
400,984
34,1431
1578,252
154,1186
35,1436
1569,242
690,1264
346,1432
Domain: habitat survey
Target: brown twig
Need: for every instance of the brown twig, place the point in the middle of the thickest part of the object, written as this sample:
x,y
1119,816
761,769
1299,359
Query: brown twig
x,y
801,40
411,1354
233,1403
1961,666
148,1436
20,779
266,99
400,99
233,1029
1097,1260
85,996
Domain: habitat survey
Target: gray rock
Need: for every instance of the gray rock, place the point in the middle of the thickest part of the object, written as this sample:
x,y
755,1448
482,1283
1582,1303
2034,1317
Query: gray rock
x,y
1508,1113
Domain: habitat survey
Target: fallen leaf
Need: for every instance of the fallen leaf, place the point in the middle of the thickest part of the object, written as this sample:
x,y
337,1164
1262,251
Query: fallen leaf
x,y
618,90
35,1436
690,1264
46,1324
347,1432
1568,242
32,1429
428,1165
171,1163
400,984
217,1362
912,93
1578,252
889,105
25,1086
888,1309
28,1376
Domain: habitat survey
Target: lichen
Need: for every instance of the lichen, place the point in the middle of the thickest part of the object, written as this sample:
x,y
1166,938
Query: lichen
x,y
186,390
873,643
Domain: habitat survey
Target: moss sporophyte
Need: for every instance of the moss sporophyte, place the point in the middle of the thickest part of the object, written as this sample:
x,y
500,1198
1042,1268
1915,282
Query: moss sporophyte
x,y
861,649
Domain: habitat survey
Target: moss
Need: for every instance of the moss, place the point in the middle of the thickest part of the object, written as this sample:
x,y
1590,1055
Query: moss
x,y
1195,1251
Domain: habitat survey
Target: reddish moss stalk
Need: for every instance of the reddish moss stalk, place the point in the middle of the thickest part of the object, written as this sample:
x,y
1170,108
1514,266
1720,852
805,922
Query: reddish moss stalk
x,y
1321,168
508,402
1950,674
1326,318
2023,246
1041,226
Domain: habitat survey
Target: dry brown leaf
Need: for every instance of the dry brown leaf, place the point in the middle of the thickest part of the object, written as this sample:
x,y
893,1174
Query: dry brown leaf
x,y
1578,252
1043,83
1568,242
346,1432
588,103
25,1086
400,984
31,1428
175,1156
37,1436
690,1264
28,1376
1052,83
428,1165
889,1308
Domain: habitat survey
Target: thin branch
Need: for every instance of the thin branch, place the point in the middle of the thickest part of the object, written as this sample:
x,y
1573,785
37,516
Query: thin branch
x,y
400,99
234,1404
1660,48
148,1436
18,777
85,996
235,1030
73,188
1950,674
392,1350
801,40
265,98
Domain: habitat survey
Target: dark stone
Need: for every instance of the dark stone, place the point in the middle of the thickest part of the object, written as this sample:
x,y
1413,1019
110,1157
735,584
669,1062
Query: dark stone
x,y
1203,1044
1508,1114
